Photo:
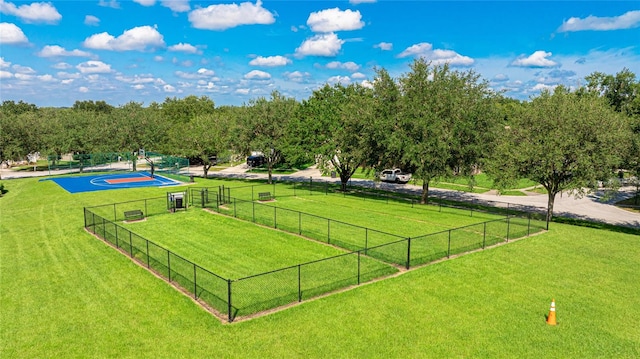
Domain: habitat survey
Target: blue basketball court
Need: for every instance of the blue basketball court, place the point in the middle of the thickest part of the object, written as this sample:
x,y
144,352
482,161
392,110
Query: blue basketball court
x,y
103,182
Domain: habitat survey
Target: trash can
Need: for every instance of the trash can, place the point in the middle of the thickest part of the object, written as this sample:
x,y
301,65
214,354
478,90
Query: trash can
x,y
191,178
333,174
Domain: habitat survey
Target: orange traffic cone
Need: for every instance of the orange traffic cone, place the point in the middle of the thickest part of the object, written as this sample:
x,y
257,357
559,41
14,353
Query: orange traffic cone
x,y
551,318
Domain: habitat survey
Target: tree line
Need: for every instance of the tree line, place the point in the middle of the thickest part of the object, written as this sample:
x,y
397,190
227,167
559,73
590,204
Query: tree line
x,y
432,121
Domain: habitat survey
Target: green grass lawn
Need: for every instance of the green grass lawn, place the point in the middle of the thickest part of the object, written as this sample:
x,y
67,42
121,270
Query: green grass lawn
x,y
229,247
64,293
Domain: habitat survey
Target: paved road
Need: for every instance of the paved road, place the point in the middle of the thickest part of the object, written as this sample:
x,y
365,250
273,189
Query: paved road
x,y
590,207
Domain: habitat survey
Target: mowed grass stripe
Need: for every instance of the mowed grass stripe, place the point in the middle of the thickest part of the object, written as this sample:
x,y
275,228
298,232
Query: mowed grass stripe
x,y
396,218
227,246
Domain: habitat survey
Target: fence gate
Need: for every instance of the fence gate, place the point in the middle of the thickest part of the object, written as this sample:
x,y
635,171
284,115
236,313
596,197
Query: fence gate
x,y
224,194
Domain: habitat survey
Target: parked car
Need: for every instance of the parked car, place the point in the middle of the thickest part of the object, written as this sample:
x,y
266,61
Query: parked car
x,y
395,175
255,161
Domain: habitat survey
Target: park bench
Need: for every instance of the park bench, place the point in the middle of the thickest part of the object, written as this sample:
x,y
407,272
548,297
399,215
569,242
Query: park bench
x,y
264,196
133,214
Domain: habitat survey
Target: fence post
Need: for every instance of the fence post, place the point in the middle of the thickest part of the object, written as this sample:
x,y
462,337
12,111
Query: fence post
x,y
253,207
116,234
299,286
104,229
328,230
148,266
508,229
528,224
358,267
252,195
234,208
130,243
229,299
115,216
449,246
169,265
484,235
84,210
408,252
146,212
274,189
300,223
366,239
195,284
275,222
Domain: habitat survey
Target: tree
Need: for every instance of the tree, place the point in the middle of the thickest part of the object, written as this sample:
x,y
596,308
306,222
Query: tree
x,y
565,141
336,118
204,136
178,111
446,122
265,126
621,91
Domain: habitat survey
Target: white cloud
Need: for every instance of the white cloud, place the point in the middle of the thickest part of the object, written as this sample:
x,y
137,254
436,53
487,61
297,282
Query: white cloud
x,y
226,16
384,46
11,34
537,59
23,69
320,45
35,12
61,66
331,20
358,75
628,20
158,58
200,74
168,88
138,38
297,76
257,75
67,81
46,78
23,77
145,2
437,56
350,66
243,91
57,51
500,78
188,48
136,79
345,80
270,61
416,50
356,2
5,74
540,87
93,67
83,89
66,75
4,64
91,20
366,83
138,87
177,5
114,4
205,72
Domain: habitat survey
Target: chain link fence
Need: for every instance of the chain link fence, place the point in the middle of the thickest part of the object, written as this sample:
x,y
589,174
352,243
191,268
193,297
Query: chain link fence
x,y
370,254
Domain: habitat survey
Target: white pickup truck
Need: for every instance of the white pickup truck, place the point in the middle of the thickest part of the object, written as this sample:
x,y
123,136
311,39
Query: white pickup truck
x,y
395,175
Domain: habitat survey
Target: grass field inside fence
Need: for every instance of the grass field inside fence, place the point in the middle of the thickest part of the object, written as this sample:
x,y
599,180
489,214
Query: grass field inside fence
x,y
230,247
65,294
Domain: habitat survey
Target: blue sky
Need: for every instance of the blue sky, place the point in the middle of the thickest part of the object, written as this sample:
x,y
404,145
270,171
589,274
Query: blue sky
x,y
54,53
